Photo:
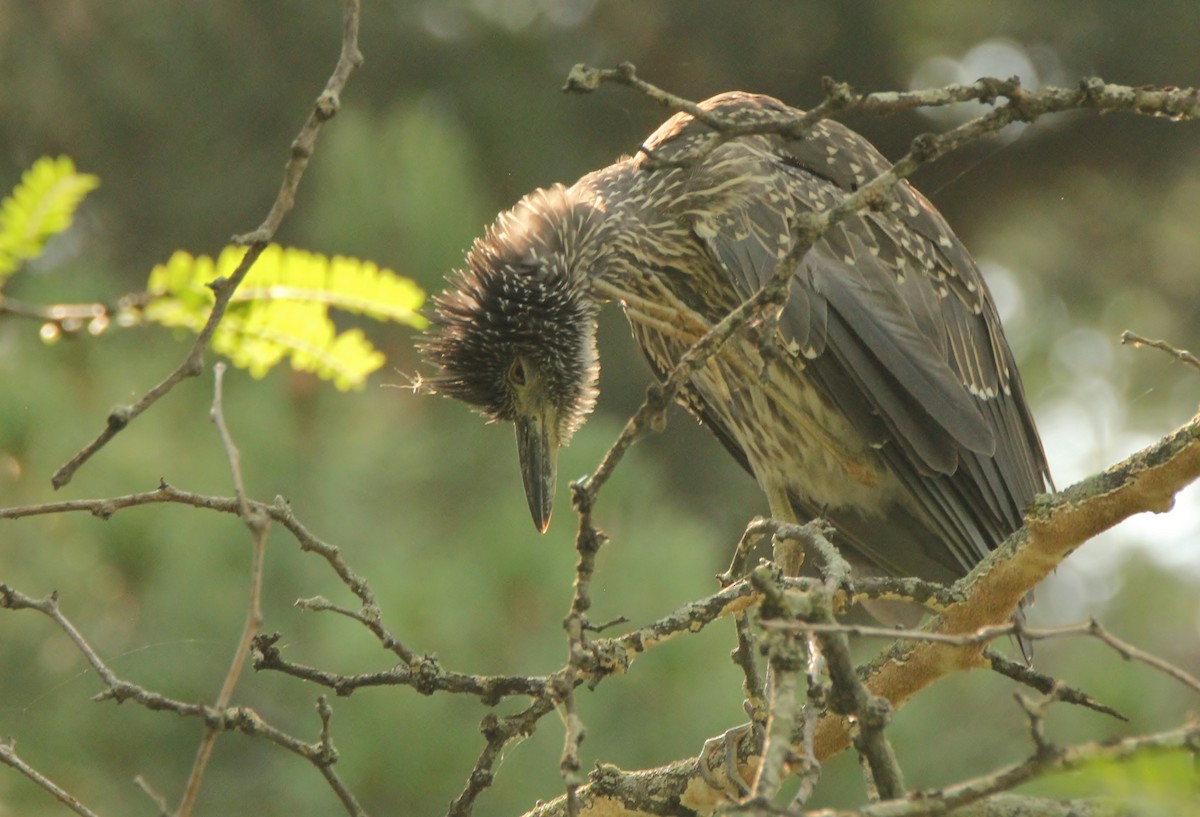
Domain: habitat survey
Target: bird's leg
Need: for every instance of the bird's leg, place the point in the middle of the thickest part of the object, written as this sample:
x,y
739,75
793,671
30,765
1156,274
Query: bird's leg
x,y
788,553
741,554
718,761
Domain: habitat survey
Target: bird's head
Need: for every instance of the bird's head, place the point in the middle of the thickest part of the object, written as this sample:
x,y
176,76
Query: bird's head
x,y
515,336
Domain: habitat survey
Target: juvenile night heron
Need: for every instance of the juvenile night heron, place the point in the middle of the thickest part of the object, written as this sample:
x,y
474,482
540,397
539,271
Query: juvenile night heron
x,y
892,406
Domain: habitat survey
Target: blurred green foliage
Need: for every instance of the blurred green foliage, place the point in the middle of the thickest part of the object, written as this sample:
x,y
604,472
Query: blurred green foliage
x,y
1085,226
281,309
40,207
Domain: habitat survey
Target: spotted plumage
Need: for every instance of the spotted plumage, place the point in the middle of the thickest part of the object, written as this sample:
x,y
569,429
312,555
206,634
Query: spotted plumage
x,y
893,406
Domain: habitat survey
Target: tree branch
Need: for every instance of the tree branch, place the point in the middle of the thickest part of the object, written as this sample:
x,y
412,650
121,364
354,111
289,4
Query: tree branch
x,y
224,719
9,757
1182,355
326,108
259,525
1056,526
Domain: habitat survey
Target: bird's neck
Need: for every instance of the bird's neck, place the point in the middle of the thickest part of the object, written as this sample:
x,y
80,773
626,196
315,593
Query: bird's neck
x,y
617,237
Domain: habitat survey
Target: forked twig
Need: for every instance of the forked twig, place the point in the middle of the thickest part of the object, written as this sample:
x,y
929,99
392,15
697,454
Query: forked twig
x,y
326,107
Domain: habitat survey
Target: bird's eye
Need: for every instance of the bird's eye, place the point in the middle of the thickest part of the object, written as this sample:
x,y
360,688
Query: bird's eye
x,y
516,373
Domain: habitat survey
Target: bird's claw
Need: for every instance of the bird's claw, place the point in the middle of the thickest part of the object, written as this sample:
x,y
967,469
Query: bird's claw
x,y
718,760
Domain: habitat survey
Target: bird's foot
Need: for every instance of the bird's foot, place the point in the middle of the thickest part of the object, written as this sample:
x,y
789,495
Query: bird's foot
x,y
718,760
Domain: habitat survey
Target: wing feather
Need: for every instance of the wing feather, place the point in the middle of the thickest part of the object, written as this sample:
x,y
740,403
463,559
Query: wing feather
x,y
895,324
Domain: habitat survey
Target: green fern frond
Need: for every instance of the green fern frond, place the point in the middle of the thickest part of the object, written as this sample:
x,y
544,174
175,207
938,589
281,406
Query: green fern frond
x,y
344,283
281,310
41,206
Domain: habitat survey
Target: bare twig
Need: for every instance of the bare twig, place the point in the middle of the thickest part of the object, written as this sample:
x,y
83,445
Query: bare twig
x,y
328,755
1035,714
1145,481
783,706
990,633
326,108
1092,93
847,694
242,719
1132,653
807,766
12,599
745,656
944,800
65,317
259,526
1024,674
498,733
147,789
1182,355
9,757
217,415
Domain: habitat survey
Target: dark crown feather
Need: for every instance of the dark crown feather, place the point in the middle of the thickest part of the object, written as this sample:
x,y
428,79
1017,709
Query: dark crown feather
x,y
517,296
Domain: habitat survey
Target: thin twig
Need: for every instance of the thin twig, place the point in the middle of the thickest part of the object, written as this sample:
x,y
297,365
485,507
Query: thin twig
x,y
847,694
498,733
259,527
328,756
1026,675
241,719
9,757
67,317
990,633
279,511
326,108
1091,93
426,676
159,801
1182,355
745,656
588,542
232,455
786,660
946,799
809,768
12,599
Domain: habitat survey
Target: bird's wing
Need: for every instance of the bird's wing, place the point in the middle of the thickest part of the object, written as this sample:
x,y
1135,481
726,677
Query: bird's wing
x,y
890,319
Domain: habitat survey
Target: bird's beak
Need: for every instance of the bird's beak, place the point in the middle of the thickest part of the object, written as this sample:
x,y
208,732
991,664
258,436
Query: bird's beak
x,y
537,446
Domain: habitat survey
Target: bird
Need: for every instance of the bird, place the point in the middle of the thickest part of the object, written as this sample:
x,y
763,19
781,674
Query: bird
x,y
883,398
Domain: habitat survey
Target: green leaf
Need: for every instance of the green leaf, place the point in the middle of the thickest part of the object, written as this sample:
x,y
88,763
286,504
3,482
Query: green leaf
x,y
281,310
40,207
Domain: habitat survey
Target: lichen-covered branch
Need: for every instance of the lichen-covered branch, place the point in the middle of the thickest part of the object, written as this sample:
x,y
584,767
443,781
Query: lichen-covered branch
x,y
1061,523
1147,481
